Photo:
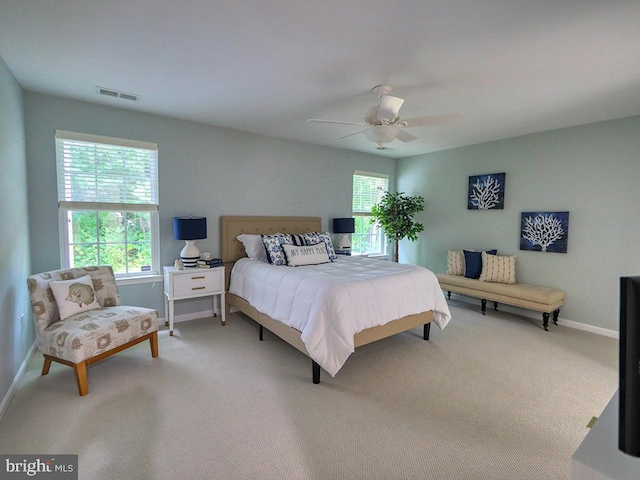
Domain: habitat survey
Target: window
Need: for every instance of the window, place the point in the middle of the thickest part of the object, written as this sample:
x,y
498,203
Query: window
x,y
108,203
368,189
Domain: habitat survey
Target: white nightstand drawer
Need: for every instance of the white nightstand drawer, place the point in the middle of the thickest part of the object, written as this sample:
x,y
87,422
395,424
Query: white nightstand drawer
x,y
198,282
192,283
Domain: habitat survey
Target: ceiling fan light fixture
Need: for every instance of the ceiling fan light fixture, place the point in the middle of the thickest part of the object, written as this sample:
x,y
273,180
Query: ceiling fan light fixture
x,y
381,134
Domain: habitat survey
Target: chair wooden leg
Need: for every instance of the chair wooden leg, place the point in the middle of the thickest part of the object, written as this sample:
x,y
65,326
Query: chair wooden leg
x,y
80,370
154,344
46,365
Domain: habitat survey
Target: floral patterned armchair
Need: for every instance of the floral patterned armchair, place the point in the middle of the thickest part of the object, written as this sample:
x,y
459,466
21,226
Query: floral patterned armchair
x,y
97,325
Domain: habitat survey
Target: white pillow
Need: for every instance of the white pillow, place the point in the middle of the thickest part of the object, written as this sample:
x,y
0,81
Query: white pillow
x,y
74,296
498,268
298,255
253,246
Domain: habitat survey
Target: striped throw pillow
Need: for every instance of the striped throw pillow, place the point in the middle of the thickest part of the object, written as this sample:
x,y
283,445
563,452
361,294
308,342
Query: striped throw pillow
x,y
498,268
455,262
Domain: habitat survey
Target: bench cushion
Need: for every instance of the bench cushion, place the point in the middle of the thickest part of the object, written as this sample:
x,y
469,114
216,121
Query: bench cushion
x,y
543,299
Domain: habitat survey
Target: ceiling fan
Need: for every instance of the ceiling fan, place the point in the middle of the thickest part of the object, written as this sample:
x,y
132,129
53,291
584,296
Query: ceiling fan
x,y
383,121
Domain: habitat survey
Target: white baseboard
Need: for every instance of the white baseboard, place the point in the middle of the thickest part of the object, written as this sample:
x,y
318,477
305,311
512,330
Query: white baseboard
x,y
14,385
505,308
185,317
590,328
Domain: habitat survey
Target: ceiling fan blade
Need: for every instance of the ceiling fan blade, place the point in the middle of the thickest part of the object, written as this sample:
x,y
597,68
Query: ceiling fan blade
x,y
351,135
405,136
434,120
389,108
360,124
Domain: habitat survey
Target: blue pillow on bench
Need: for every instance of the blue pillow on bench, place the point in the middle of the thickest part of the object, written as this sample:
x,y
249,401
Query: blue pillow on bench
x,y
473,262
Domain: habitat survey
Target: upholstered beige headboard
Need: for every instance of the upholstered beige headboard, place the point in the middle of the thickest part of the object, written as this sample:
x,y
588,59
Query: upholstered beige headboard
x,y
232,226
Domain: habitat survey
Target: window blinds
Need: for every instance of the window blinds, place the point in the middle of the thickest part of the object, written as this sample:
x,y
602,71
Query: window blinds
x,y
368,189
94,170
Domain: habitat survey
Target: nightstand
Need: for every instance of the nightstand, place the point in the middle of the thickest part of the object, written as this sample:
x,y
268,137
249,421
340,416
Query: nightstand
x,y
192,283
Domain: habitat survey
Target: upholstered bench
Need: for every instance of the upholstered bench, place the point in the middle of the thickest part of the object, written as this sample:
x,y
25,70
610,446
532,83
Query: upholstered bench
x,y
540,299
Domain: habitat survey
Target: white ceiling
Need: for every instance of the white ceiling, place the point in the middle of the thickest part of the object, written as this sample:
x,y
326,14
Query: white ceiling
x,y
512,66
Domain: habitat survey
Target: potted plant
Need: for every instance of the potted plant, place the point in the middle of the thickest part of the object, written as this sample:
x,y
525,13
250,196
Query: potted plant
x,y
395,214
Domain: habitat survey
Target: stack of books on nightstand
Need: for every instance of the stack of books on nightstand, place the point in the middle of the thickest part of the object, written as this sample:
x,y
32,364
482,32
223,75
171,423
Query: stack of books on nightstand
x,y
210,263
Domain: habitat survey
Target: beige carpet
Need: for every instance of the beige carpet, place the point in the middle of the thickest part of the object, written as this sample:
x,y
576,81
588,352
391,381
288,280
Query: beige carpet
x,y
492,397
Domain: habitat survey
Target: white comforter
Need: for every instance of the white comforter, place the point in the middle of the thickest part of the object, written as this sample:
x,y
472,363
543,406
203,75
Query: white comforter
x,y
330,303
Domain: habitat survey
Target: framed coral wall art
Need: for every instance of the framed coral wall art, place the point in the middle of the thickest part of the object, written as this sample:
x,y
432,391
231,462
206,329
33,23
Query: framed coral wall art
x,y
486,192
544,231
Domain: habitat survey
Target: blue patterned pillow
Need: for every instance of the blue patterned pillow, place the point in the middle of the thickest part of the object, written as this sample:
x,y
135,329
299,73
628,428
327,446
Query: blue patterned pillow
x,y
273,246
317,237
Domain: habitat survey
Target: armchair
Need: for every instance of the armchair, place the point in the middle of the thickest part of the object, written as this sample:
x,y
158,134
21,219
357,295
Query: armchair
x,y
94,333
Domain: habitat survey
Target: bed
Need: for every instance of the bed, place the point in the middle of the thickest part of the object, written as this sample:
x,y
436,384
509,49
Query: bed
x,y
234,259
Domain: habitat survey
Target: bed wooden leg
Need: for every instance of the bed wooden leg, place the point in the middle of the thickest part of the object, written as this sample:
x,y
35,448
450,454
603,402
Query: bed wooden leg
x,y
315,368
427,329
261,333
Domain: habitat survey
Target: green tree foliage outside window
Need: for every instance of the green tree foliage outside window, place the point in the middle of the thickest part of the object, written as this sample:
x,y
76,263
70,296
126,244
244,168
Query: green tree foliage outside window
x,y
121,239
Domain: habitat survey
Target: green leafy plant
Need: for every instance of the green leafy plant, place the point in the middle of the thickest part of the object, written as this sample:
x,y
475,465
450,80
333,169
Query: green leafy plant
x,y
395,214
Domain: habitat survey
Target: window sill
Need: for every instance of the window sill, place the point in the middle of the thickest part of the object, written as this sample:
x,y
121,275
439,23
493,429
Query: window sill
x,y
377,256
139,279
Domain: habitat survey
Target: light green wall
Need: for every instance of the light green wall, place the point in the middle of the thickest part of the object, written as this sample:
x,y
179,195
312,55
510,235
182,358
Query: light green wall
x,y
16,329
592,171
203,170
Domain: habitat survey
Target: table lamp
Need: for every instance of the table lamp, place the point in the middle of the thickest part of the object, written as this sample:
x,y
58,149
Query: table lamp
x,y
190,229
345,226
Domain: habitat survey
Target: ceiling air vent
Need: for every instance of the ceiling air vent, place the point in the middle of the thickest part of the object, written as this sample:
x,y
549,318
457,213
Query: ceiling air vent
x,y
116,94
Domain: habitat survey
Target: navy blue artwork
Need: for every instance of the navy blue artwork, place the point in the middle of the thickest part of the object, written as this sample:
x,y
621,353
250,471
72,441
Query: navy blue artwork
x,y
544,231
486,192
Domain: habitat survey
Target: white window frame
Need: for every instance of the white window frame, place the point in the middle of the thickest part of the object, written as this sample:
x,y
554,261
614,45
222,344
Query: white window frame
x,y
361,213
67,203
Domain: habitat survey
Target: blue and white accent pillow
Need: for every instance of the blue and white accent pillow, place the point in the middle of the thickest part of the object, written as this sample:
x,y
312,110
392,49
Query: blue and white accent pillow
x,y
317,237
273,245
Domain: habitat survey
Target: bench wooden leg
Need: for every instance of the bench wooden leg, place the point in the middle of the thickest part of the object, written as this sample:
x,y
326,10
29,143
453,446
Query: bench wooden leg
x,y
484,306
555,316
449,294
495,306
545,321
